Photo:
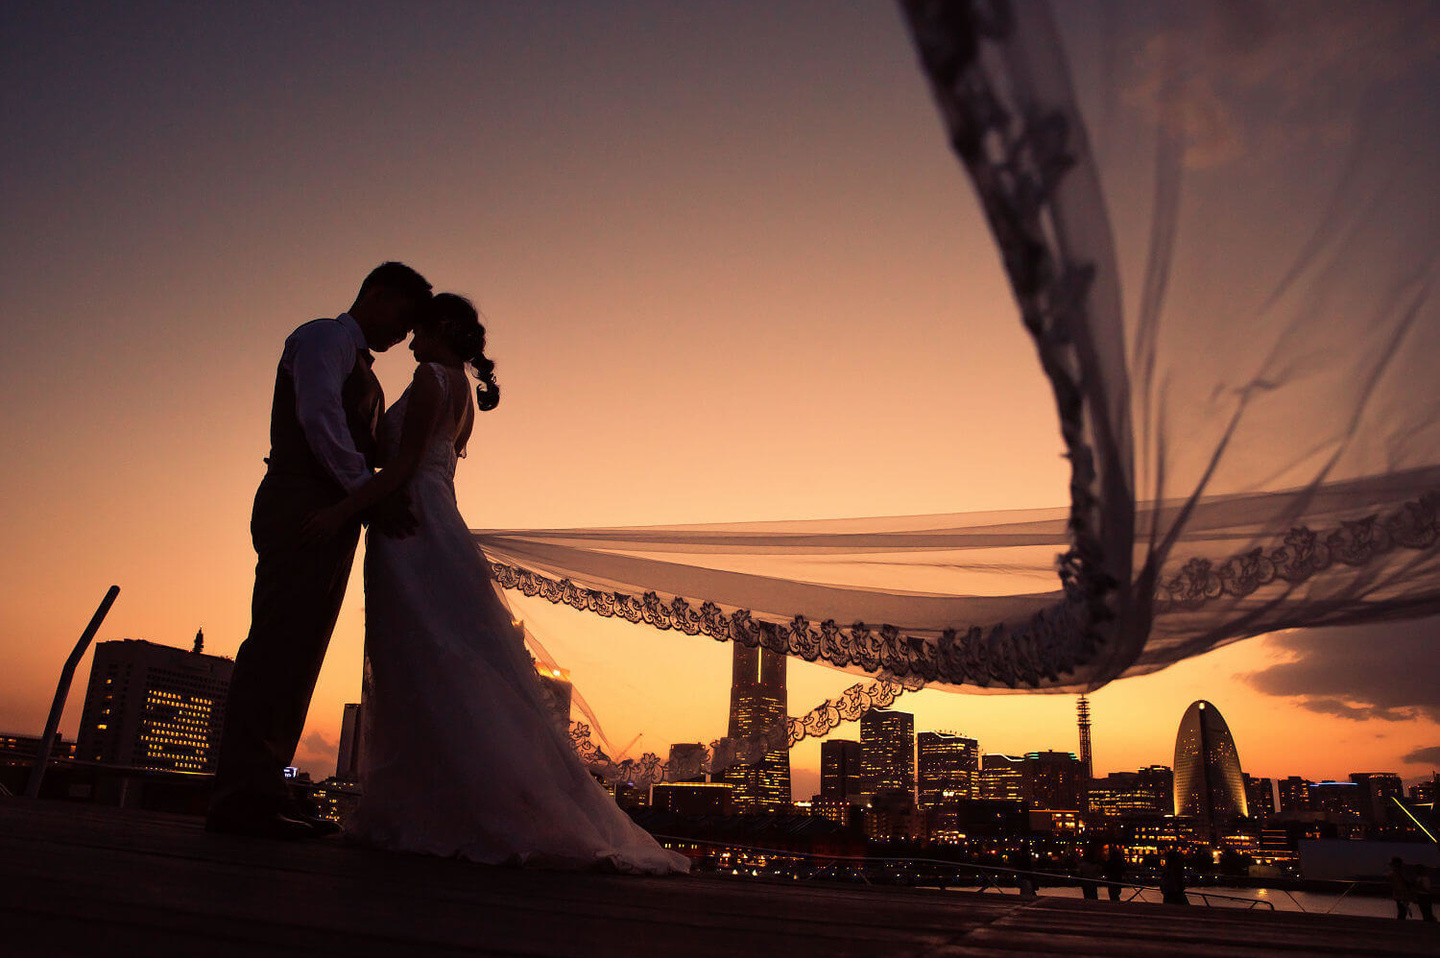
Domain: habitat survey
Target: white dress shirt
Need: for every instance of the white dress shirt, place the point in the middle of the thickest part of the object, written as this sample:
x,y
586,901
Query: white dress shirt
x,y
319,357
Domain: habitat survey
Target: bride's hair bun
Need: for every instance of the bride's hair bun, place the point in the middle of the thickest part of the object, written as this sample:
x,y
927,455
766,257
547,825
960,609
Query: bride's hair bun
x,y
460,325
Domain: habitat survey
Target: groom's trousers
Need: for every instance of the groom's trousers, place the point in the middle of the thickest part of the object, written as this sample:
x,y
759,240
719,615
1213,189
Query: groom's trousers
x,y
298,592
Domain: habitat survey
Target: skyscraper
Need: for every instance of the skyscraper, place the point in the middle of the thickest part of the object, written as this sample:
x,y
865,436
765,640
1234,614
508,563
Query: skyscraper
x,y
1260,796
1209,784
1082,715
1002,778
347,763
1054,781
840,775
1377,791
154,706
947,767
758,704
1294,795
887,751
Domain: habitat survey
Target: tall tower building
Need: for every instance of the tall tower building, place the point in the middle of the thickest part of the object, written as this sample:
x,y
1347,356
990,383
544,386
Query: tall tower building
x,y
947,769
840,776
347,763
1209,784
1082,713
154,706
887,751
758,704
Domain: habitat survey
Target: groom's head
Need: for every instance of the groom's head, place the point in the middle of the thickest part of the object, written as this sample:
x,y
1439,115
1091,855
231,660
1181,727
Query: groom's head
x,y
389,302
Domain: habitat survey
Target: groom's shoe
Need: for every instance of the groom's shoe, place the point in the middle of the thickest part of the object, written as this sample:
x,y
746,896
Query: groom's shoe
x,y
272,825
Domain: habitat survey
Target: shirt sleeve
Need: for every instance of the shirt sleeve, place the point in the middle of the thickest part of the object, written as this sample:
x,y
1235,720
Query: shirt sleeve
x,y
323,357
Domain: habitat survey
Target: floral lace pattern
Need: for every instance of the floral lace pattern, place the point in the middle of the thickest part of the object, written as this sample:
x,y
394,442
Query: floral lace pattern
x,y
976,656
723,753
1302,554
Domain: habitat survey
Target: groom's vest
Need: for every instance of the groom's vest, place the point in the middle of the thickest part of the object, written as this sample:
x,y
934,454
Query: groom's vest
x,y
360,397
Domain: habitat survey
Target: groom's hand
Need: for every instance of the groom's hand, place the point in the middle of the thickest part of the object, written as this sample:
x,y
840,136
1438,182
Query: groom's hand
x,y
394,517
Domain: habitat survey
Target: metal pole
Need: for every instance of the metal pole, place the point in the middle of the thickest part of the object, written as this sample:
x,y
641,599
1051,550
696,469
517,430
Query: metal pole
x,y
62,690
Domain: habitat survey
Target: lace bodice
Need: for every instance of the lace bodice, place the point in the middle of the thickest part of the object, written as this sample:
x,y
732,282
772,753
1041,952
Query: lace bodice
x,y
440,456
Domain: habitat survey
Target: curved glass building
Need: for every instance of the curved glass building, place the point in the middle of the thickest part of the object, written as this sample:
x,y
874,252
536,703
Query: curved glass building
x,y
1209,785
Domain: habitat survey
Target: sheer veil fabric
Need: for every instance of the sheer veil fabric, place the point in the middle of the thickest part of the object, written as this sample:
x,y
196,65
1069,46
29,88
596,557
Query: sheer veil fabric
x,y
1221,230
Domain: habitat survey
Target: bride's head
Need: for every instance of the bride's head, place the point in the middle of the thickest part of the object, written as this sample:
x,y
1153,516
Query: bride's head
x,y
450,332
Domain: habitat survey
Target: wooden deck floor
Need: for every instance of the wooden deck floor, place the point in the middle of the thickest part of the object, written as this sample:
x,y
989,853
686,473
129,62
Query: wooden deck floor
x,y
84,880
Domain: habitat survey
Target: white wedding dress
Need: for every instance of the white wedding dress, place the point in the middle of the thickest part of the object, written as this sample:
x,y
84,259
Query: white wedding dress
x,y
461,755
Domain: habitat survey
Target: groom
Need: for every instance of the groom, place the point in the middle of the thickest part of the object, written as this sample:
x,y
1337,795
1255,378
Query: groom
x,y
322,444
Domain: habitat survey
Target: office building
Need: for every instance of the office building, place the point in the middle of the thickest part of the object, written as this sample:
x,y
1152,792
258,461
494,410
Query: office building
x,y
758,708
1002,778
1338,802
694,798
1294,795
1054,781
1377,794
1209,785
154,706
947,769
887,751
347,761
840,775
1260,796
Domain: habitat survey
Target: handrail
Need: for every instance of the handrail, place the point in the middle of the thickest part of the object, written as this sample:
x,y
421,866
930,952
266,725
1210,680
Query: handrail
x,y
988,871
62,691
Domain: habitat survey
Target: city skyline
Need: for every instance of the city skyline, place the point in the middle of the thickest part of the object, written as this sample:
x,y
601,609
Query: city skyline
x,y
761,289
749,667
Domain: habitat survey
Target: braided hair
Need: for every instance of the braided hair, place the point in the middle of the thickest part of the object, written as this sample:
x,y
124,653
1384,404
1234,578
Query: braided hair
x,y
459,325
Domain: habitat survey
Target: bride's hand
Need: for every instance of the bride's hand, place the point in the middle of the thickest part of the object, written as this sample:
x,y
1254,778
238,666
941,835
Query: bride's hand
x,y
322,525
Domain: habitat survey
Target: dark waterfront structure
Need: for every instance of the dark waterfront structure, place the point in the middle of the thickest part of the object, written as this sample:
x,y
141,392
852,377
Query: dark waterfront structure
x,y
758,704
347,762
693,798
840,774
22,749
154,706
1209,785
887,751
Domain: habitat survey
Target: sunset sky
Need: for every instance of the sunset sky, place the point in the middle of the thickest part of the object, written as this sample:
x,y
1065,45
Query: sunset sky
x,y
730,271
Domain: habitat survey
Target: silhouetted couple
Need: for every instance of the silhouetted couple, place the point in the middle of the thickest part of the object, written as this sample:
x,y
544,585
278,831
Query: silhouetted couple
x,y
459,755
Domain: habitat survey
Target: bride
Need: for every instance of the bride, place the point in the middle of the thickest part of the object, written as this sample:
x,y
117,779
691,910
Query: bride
x,y
462,756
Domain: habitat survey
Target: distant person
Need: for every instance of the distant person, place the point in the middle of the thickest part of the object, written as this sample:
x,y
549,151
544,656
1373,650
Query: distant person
x,y
323,420
1114,868
1088,873
1400,888
1424,893
462,757
1172,880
